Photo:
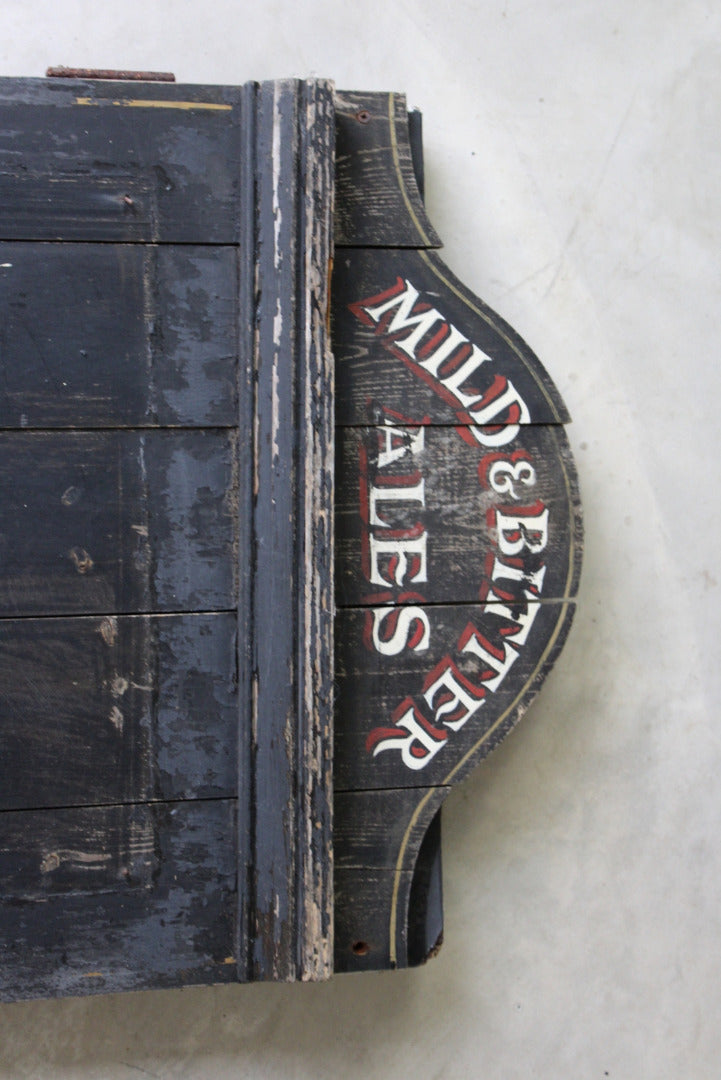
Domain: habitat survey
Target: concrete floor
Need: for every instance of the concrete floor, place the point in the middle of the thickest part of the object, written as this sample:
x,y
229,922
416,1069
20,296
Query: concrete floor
x,y
572,154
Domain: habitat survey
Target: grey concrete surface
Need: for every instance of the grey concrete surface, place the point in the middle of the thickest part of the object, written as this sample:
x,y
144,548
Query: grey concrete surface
x,y
573,158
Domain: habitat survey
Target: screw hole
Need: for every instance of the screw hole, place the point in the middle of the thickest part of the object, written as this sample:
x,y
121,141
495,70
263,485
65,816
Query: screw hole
x,y
363,116
360,948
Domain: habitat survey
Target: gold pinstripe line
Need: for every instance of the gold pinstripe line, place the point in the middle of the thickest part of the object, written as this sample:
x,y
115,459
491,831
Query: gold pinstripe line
x,y
494,727
487,319
397,164
151,103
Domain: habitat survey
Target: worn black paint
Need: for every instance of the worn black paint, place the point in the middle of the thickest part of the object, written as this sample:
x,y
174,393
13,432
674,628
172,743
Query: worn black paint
x,y
117,898
455,513
167,538
125,709
378,202
132,521
118,335
388,900
165,625
369,381
132,161
287,909
370,688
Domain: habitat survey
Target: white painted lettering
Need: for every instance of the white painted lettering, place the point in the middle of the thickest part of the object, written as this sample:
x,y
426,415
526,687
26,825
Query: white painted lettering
x,y
398,551
399,441
490,415
417,748
457,708
502,475
410,630
403,318
391,495
502,571
525,619
517,531
497,660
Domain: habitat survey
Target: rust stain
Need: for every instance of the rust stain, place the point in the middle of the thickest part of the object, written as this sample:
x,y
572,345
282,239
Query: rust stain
x,y
108,73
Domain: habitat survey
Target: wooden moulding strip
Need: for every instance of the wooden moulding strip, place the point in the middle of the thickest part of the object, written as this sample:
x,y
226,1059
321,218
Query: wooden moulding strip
x,y
285,927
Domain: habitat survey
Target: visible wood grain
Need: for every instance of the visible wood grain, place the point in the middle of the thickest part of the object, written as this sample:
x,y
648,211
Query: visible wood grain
x,y
374,692
373,370
434,505
377,202
130,161
231,525
388,837
110,522
103,899
117,335
116,709
389,893
455,485
245,924
287,905
363,899
166,574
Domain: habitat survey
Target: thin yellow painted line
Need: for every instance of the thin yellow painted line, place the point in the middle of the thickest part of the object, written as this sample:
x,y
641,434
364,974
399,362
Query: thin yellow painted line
x,y
151,103
565,601
397,164
487,319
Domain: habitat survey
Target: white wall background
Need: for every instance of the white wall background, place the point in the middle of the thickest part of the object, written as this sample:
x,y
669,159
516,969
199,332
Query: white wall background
x,y
572,154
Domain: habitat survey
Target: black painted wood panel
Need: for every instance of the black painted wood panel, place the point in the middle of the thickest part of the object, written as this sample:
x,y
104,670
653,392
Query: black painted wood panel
x,y
117,521
378,201
457,558
148,162
390,890
117,335
167,537
117,709
286,910
117,898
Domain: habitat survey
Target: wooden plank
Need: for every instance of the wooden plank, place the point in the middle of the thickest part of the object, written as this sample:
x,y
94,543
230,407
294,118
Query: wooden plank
x,y
363,901
377,201
246,833
410,337
389,890
287,902
114,521
377,830
128,161
116,710
455,485
428,515
103,899
425,715
111,335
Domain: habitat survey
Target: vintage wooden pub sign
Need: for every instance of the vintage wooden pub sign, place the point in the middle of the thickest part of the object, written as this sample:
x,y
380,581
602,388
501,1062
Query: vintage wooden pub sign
x,y
289,535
